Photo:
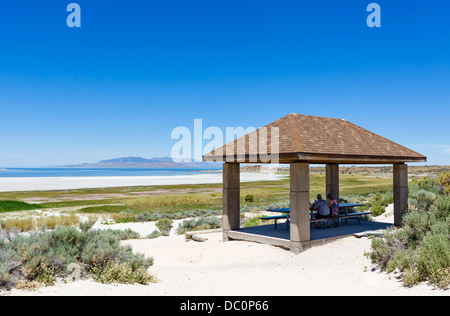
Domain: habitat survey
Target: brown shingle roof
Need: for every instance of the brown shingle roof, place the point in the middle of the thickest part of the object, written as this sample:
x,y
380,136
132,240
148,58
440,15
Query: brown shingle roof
x,y
317,140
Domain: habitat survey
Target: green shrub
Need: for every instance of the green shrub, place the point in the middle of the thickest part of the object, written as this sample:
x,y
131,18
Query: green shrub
x,y
254,221
377,210
421,199
164,225
388,198
249,198
145,217
428,184
87,225
45,256
154,234
444,180
421,248
434,259
376,198
441,208
202,223
115,272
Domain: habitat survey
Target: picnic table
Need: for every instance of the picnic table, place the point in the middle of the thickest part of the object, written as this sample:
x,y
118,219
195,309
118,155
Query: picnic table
x,y
343,207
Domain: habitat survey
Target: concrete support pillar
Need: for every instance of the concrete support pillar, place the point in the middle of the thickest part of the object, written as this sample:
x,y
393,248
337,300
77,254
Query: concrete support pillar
x,y
299,195
332,180
231,196
400,192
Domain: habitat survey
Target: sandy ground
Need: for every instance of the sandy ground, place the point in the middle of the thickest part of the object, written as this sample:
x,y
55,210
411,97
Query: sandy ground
x,y
69,183
240,268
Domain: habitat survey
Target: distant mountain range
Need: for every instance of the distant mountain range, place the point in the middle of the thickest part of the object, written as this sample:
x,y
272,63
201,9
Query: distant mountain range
x,y
139,162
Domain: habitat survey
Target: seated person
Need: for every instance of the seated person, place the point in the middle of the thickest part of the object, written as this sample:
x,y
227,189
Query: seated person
x,y
334,210
323,211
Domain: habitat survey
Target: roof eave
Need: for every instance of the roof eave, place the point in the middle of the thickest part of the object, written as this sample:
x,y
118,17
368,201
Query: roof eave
x,y
315,159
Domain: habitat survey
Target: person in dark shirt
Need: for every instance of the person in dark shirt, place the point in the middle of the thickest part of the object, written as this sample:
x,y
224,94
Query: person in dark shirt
x,y
323,211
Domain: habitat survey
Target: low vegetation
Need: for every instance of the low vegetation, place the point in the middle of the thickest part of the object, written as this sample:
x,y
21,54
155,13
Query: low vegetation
x,y
14,206
39,223
202,223
254,221
155,216
377,202
44,257
164,225
421,248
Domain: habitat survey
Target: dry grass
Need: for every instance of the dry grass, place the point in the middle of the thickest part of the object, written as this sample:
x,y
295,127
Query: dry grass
x,y
34,223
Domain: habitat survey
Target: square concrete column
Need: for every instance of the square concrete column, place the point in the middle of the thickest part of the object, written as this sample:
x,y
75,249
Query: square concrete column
x,y
299,195
332,180
231,196
400,192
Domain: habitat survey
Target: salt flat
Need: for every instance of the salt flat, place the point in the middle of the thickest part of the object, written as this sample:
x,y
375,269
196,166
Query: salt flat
x,y
69,183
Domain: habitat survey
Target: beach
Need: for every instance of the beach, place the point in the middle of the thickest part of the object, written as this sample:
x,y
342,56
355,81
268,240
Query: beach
x,y
70,183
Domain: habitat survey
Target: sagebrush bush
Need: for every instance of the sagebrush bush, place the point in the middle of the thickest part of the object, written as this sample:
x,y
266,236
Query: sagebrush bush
x,y
115,272
202,223
45,256
444,181
433,259
154,234
421,199
421,248
87,225
164,225
377,210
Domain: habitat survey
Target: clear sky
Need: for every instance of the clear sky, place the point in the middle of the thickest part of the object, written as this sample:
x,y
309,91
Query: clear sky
x,y
137,69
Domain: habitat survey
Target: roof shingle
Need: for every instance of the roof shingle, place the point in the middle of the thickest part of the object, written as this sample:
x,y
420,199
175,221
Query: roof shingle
x,y
315,139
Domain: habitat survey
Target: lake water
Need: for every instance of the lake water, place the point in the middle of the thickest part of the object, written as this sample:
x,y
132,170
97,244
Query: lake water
x,y
96,172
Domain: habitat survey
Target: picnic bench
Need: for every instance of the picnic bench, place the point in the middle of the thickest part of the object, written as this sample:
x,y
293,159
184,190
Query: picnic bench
x,y
285,215
275,218
356,215
345,207
320,220
343,214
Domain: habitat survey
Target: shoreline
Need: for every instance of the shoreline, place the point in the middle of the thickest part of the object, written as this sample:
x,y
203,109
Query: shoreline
x,y
73,183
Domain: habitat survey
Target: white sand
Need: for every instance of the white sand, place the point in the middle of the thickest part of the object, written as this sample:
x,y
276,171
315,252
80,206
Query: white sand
x,y
68,183
215,267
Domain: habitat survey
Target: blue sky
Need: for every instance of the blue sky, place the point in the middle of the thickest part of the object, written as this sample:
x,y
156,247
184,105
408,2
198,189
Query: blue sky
x,y
137,69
